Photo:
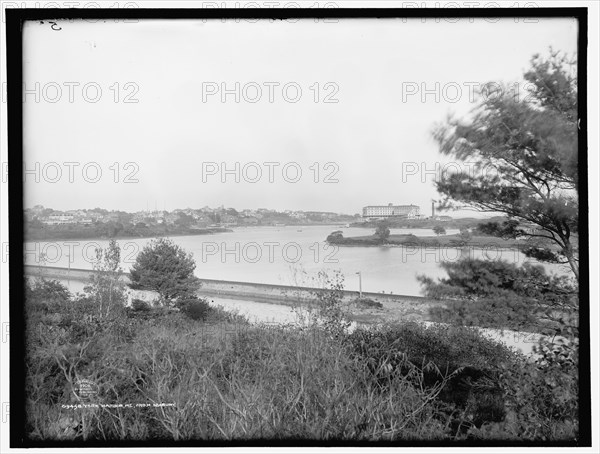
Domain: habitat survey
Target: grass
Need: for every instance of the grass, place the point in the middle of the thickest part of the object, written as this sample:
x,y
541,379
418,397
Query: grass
x,y
159,374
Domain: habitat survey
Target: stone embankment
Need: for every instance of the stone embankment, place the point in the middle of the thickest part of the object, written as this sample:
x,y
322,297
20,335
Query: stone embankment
x,y
252,291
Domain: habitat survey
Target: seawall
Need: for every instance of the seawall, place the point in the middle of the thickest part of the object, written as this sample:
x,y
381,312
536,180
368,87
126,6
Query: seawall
x,y
271,293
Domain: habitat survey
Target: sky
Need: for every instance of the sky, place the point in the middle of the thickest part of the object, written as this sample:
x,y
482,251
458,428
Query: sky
x,y
270,114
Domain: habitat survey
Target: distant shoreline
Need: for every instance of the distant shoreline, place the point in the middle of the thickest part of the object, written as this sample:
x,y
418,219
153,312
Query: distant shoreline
x,y
80,234
408,240
199,232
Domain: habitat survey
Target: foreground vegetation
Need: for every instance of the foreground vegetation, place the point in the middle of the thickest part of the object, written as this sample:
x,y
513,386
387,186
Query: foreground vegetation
x,y
199,372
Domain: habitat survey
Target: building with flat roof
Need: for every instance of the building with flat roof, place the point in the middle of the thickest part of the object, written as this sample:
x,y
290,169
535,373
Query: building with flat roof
x,y
391,210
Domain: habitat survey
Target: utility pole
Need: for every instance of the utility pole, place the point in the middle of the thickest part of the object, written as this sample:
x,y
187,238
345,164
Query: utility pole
x,y
69,271
359,284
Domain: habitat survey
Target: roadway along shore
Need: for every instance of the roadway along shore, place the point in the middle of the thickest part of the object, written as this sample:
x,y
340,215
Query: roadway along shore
x,y
398,307
394,307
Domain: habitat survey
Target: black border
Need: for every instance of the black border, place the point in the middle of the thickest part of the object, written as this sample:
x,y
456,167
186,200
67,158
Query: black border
x,y
14,48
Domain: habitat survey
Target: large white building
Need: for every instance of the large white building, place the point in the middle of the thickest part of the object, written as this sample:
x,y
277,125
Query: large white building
x,y
391,210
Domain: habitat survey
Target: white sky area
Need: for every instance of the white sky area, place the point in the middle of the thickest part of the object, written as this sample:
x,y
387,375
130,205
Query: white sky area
x,y
372,134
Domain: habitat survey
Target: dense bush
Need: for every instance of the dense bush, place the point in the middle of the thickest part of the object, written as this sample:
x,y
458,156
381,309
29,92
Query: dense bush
x,y
499,294
464,365
507,312
138,305
368,303
447,346
195,308
45,294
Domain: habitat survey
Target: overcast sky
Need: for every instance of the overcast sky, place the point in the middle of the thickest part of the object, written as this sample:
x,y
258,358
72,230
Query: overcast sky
x,y
180,124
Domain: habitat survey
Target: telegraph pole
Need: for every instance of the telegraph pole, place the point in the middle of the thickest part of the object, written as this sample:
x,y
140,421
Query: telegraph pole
x,y
359,284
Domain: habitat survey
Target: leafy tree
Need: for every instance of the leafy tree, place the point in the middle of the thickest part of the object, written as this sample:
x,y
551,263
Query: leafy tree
x,y
335,237
439,230
382,231
112,229
124,217
43,294
184,220
332,313
166,268
106,288
523,157
36,224
504,295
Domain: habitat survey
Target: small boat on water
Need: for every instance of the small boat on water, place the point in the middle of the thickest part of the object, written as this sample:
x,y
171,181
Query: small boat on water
x,y
299,230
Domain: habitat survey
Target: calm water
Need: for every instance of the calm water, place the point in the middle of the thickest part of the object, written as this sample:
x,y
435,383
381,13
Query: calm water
x,y
288,255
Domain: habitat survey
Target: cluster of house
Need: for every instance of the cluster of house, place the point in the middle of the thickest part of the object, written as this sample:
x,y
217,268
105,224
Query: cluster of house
x,y
52,217
202,217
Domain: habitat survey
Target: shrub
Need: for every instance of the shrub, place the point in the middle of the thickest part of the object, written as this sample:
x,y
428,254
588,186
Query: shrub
x,y
45,295
499,294
472,363
138,305
368,303
218,314
439,230
541,397
447,346
195,308
328,310
503,313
